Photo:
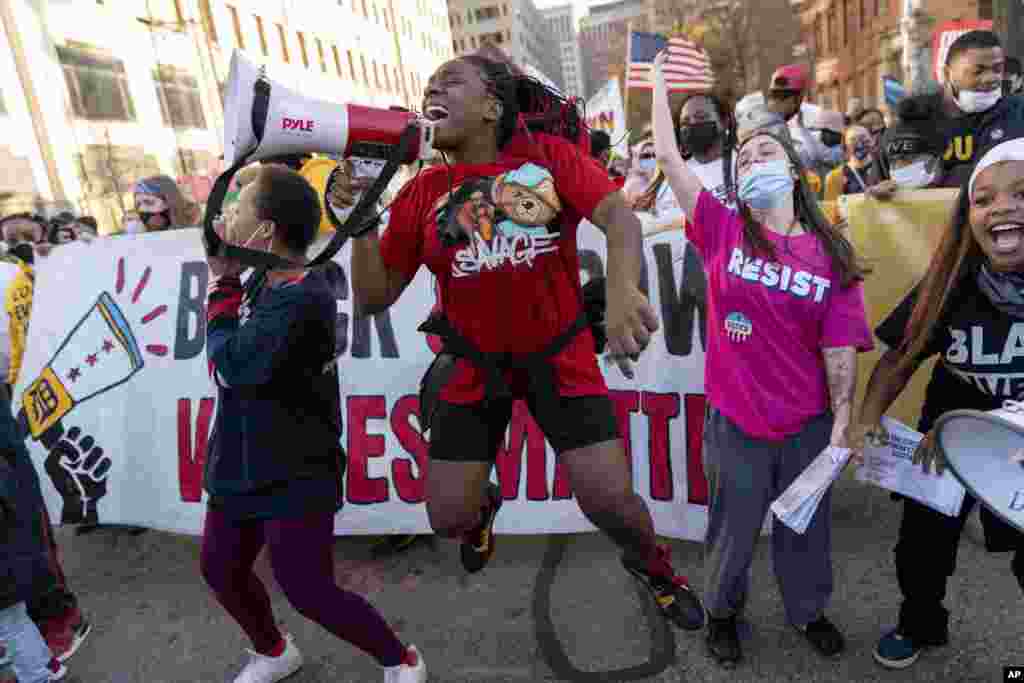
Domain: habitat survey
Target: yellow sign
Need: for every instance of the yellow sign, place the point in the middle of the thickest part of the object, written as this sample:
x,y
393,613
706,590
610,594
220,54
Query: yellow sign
x,y
45,402
896,238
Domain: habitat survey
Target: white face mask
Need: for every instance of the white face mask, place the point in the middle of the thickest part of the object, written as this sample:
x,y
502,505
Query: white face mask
x,y
913,176
977,101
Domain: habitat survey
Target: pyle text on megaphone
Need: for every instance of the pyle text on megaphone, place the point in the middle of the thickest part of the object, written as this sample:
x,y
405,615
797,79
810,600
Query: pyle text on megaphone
x,y
264,118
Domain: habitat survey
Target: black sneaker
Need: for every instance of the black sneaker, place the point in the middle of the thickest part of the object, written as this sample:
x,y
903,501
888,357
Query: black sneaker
x,y
672,594
824,637
723,642
478,546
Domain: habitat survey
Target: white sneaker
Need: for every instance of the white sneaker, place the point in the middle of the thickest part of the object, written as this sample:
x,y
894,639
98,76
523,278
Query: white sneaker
x,y
411,670
264,669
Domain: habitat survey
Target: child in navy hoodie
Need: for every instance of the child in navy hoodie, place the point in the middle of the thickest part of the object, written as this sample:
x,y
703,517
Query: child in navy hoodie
x,y
24,561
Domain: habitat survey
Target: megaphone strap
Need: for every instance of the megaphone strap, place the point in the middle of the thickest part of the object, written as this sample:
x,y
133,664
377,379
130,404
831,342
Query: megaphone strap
x,y
356,225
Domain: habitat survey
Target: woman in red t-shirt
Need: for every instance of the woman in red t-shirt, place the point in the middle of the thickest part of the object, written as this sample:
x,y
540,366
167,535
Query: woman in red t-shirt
x,y
496,225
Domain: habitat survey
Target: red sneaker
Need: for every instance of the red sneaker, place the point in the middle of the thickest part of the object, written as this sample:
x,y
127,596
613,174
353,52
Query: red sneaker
x,y
65,634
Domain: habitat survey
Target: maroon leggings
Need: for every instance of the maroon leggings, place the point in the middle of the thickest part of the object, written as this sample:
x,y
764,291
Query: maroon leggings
x,y
303,563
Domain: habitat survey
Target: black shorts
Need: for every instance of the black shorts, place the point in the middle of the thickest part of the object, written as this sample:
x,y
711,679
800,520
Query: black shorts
x,y
473,432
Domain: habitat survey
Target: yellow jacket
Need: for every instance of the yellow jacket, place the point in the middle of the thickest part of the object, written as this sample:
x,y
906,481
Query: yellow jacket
x,y
834,184
18,304
814,180
316,171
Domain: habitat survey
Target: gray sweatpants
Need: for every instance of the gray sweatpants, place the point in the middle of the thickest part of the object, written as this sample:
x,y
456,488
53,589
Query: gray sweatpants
x,y
744,476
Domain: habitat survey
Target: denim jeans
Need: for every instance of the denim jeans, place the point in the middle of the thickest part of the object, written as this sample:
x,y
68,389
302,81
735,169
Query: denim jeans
x,y
28,653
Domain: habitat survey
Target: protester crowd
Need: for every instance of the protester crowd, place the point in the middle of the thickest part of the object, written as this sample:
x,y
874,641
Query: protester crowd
x,y
755,186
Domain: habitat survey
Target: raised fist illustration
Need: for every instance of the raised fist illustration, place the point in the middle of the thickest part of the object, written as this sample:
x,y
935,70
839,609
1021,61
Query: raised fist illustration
x,y
78,469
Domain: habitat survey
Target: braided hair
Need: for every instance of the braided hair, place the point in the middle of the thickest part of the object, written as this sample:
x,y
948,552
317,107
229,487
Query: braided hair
x,y
528,103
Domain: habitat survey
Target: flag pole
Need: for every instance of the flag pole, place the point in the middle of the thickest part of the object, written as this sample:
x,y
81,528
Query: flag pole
x,y
625,76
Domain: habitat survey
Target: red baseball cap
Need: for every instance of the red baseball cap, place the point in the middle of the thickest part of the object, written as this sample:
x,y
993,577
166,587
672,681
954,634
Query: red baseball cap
x,y
791,77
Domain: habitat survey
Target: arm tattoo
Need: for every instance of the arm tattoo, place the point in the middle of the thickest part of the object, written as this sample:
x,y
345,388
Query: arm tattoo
x,y
841,371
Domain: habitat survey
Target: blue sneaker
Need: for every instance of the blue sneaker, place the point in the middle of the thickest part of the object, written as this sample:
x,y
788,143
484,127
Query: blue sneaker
x,y
896,651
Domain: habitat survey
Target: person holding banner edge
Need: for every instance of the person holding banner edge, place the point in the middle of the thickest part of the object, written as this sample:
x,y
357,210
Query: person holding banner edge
x,y
780,372
513,324
272,356
969,308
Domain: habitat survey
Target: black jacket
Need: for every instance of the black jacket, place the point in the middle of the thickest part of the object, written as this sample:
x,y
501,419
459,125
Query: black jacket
x,y
24,565
278,412
968,137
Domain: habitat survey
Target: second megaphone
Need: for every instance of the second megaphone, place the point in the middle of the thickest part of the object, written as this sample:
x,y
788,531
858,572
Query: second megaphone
x,y
295,124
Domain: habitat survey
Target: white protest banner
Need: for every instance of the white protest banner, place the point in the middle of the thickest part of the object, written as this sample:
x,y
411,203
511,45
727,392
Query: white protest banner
x,y
115,390
605,112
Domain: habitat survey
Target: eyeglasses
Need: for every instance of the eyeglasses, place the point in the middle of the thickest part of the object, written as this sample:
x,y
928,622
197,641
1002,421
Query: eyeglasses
x,y
647,155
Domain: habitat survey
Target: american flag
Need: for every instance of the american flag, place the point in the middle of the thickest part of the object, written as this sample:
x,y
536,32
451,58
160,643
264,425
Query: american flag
x,y
688,67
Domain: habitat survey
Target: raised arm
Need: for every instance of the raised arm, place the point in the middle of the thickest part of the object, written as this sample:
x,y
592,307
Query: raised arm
x,y
683,182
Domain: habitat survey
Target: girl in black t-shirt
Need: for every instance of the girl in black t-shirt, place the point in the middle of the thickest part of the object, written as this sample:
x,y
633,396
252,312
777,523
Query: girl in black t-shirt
x,y
970,309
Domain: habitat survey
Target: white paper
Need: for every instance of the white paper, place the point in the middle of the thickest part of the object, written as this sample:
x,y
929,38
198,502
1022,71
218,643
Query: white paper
x,y
890,467
796,506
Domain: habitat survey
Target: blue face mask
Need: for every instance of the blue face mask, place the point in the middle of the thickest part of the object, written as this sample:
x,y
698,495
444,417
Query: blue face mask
x,y
766,184
647,165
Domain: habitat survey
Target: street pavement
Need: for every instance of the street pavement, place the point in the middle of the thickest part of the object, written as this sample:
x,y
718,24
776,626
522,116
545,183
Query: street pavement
x,y
554,608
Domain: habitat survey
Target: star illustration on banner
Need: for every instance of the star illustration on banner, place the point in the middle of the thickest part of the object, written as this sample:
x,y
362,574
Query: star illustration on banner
x,y
91,359
108,345
74,374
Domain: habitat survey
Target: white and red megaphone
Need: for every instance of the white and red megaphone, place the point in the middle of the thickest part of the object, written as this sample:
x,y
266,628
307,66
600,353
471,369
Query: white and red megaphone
x,y
263,119
295,124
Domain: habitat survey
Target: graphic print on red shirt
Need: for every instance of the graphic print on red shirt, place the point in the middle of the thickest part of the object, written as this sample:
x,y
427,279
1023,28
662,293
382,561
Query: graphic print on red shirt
x,y
512,285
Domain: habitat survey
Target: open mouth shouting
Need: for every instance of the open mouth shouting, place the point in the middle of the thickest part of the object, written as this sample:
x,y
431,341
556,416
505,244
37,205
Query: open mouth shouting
x,y
1007,237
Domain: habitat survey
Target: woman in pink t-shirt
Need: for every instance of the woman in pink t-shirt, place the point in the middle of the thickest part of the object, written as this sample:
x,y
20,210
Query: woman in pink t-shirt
x,y
785,322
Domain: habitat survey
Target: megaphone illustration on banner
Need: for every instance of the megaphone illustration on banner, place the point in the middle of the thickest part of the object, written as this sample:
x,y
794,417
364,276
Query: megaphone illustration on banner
x,y
985,451
293,123
264,119
98,354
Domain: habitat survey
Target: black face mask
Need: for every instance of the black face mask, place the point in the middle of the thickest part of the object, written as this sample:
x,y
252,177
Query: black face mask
x,y
145,217
699,137
23,251
830,138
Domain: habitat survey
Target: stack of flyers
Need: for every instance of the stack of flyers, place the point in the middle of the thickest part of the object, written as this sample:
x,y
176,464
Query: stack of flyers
x,y
889,466
796,506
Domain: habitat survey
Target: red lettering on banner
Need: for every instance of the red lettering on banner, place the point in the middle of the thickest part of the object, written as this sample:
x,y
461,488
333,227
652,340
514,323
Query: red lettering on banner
x,y
626,402
192,453
696,482
409,487
362,446
660,409
523,430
